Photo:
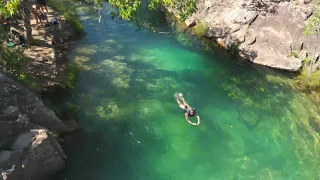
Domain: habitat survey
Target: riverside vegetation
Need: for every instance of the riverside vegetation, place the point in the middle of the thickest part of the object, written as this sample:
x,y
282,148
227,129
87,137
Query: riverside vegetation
x,y
309,78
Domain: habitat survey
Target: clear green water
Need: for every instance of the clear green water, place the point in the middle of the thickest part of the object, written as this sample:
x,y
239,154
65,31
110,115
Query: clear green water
x,y
253,125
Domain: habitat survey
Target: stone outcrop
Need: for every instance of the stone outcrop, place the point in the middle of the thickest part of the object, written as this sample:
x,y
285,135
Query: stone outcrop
x,y
15,94
267,32
28,149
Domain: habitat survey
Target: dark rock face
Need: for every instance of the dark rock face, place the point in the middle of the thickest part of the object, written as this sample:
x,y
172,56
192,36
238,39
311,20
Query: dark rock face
x,y
28,149
14,94
270,29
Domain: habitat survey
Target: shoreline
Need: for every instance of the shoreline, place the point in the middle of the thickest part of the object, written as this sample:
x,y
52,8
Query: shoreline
x,y
253,35
36,131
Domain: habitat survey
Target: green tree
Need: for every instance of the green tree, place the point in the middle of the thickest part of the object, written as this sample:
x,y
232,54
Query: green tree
x,y
128,8
7,9
10,7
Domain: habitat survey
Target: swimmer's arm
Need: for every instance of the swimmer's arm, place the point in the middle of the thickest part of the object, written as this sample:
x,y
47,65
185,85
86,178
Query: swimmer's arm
x,y
198,117
186,116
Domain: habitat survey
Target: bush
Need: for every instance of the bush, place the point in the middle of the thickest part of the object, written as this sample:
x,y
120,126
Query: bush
x,y
72,72
201,28
308,82
294,53
12,60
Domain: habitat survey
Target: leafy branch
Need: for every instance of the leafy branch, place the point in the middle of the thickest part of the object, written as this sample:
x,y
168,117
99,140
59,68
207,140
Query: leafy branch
x,y
8,8
128,8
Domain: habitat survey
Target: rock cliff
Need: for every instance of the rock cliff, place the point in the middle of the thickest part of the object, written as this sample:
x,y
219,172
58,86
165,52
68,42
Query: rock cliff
x,y
267,32
28,149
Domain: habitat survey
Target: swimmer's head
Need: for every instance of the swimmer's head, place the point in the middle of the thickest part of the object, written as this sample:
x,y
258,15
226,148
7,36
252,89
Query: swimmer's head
x,y
191,111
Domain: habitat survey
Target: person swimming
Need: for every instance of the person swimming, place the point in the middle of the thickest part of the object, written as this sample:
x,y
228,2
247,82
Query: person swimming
x,y
188,110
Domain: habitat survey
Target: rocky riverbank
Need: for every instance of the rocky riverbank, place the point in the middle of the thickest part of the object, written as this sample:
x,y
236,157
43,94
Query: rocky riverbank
x,y
29,130
267,32
48,67
29,149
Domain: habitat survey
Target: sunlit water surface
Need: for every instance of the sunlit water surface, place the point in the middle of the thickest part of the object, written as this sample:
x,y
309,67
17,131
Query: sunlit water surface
x,y
252,126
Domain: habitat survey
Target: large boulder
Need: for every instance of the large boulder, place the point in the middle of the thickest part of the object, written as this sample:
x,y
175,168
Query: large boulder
x,y
27,151
268,32
242,16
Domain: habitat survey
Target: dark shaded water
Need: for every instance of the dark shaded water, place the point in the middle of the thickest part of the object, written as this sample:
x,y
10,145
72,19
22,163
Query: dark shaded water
x,y
252,126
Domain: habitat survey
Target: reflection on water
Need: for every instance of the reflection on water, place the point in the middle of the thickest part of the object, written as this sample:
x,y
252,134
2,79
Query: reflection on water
x,y
253,125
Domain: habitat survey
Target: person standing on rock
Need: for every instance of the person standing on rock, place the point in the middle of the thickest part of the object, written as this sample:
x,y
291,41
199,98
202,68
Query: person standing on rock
x,y
36,15
188,110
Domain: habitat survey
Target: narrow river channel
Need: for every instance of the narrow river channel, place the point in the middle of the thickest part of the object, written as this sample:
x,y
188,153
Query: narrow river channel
x,y
252,126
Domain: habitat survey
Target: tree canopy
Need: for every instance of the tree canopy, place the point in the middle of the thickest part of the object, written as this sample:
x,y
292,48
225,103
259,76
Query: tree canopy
x,y
8,7
127,8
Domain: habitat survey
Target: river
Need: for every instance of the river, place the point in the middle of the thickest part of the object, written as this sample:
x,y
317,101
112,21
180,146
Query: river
x,y
253,125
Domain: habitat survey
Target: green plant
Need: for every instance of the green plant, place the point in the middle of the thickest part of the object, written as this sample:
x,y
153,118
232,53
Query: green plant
x,y
306,60
201,28
128,8
69,14
71,74
294,53
8,8
308,82
309,78
313,24
13,61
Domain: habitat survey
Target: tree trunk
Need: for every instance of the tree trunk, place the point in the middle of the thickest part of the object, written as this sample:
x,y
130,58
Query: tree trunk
x,y
26,20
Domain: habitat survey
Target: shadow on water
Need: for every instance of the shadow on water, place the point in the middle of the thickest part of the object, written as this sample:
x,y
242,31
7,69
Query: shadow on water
x,y
87,154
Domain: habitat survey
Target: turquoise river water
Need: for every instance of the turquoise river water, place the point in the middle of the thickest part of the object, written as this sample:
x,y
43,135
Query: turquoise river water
x,y
253,124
